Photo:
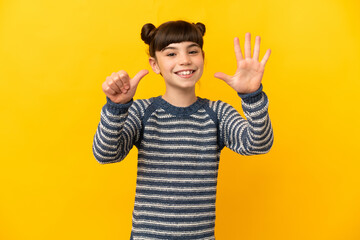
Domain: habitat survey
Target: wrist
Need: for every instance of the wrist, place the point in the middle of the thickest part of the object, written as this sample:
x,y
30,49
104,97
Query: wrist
x,y
118,107
253,96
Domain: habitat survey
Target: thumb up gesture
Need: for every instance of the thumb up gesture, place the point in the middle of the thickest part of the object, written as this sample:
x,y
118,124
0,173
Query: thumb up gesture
x,y
249,72
120,88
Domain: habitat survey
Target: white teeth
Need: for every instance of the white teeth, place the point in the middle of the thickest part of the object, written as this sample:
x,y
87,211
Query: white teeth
x,y
185,72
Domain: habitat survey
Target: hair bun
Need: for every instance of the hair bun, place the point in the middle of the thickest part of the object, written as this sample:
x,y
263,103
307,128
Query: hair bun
x,y
201,27
147,33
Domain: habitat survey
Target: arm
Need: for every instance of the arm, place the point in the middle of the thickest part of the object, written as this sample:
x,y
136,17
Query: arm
x,y
120,124
253,135
112,140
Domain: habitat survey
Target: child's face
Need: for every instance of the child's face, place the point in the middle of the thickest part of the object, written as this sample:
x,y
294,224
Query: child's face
x,y
180,64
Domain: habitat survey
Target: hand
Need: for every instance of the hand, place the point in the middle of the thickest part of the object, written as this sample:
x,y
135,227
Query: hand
x,y
120,88
249,72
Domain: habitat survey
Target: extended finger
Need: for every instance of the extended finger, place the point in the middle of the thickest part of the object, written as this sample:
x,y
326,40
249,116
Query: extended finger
x,y
237,49
257,48
222,76
136,79
247,46
266,57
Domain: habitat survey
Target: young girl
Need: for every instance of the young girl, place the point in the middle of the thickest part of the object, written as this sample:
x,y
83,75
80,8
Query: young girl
x,y
180,136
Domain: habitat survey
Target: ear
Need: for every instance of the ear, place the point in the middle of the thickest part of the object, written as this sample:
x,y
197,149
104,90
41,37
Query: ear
x,y
154,65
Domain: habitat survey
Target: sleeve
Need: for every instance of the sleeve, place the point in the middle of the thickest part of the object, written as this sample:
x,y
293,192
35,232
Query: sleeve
x,y
117,132
250,136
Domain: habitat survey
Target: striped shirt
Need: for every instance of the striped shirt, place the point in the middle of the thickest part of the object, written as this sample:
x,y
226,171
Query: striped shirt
x,y
178,157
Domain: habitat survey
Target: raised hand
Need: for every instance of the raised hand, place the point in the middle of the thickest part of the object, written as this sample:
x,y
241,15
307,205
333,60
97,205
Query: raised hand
x,y
120,88
249,72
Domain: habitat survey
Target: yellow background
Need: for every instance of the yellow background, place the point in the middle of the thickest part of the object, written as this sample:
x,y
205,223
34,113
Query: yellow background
x,y
54,56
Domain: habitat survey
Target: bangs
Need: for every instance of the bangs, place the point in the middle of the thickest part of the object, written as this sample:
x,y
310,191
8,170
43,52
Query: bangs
x,y
177,32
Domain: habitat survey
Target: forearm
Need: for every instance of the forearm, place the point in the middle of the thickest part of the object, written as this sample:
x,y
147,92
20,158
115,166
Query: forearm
x,y
111,143
257,135
250,136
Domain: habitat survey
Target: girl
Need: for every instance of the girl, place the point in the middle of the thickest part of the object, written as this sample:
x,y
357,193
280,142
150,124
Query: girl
x,y
180,136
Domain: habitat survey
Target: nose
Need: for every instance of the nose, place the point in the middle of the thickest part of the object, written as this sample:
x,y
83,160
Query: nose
x,y
185,59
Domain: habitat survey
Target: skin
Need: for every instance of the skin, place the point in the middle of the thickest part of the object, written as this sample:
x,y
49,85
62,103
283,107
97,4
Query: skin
x,y
170,62
249,71
180,91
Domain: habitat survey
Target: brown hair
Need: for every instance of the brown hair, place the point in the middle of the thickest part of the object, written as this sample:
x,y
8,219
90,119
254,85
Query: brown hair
x,y
171,32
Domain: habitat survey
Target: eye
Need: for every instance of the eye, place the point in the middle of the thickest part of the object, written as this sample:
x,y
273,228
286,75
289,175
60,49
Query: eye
x,y
193,52
170,54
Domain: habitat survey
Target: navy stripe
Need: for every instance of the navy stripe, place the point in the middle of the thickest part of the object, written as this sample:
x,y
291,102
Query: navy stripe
x,y
177,184
172,201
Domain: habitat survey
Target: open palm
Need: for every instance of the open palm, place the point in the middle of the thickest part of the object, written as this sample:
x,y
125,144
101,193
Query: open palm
x,y
249,72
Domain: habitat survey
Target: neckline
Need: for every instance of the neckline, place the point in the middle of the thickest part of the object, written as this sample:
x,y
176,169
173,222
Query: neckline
x,y
179,110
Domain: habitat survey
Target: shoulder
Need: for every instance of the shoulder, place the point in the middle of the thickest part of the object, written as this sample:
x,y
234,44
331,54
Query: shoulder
x,y
220,108
140,106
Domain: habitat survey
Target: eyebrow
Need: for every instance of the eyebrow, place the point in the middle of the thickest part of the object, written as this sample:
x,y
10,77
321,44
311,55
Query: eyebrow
x,y
174,48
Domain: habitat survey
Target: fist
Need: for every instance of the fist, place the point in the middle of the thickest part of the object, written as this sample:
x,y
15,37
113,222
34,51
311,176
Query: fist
x,y
120,88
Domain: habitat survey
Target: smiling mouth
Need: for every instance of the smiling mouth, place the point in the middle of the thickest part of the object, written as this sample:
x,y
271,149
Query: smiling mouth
x,y
185,73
